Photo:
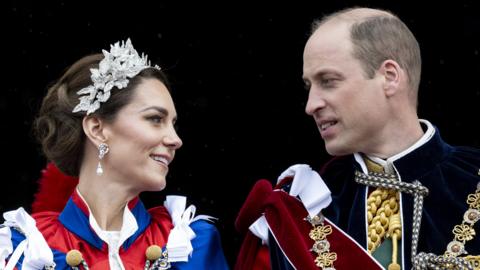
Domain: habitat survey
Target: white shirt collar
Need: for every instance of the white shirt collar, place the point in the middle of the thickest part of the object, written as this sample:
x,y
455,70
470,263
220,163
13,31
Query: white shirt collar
x,y
129,226
388,163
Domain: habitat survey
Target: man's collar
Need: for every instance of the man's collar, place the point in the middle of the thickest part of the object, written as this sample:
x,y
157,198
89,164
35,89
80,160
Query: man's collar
x,y
413,161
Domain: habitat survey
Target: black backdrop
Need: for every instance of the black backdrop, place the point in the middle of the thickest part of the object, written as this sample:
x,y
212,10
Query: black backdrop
x,y
236,72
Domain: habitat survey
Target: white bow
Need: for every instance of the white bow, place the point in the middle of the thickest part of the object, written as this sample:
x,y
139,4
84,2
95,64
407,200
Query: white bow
x,y
6,247
36,252
260,229
179,246
309,186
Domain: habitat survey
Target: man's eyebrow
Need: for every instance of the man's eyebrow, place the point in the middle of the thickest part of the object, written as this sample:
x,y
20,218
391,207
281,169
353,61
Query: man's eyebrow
x,y
322,73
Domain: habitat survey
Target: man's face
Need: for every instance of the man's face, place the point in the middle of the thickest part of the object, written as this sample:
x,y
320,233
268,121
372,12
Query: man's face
x,y
349,109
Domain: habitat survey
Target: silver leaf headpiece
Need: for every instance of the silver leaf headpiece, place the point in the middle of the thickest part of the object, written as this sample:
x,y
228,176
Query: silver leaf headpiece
x,y
118,65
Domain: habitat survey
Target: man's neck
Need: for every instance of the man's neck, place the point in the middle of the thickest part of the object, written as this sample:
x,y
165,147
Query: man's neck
x,y
396,139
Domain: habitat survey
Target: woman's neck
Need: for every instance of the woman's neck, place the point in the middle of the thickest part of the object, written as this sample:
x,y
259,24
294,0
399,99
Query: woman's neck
x,y
105,199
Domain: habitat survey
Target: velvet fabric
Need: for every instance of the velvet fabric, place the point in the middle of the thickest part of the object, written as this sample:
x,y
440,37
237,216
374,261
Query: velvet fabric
x,y
450,174
289,240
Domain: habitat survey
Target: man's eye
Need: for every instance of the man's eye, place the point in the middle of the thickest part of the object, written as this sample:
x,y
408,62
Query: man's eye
x,y
328,82
306,86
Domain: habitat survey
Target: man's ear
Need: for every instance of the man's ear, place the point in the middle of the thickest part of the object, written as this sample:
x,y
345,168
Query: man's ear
x,y
94,129
392,73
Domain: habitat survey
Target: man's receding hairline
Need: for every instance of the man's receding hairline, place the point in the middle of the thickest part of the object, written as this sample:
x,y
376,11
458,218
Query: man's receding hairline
x,y
357,15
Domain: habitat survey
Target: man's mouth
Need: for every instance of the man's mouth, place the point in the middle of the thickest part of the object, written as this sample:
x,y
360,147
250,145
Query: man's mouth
x,y
326,125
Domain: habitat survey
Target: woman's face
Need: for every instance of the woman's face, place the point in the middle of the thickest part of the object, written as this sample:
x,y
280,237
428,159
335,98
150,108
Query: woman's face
x,y
142,139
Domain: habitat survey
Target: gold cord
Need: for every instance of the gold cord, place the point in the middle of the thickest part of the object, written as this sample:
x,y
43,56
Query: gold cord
x,y
395,232
383,217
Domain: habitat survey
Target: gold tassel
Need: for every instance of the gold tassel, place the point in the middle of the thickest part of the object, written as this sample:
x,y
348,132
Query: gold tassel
x,y
395,231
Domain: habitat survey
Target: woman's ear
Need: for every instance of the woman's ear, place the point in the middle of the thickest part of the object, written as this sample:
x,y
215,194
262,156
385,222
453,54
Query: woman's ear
x,y
392,73
94,129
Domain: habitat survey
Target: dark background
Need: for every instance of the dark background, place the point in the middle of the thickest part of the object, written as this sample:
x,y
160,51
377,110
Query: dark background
x,y
236,72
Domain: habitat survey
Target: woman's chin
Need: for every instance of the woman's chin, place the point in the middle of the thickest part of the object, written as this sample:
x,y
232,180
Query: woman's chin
x,y
157,184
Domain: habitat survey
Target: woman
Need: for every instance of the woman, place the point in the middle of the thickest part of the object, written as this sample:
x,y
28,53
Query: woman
x,y
110,121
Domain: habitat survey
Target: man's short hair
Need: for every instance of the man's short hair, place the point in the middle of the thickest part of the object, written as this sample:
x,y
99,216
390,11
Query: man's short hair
x,y
380,36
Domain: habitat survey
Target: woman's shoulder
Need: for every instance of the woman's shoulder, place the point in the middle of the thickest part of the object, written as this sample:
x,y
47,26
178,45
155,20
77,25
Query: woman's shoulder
x,y
20,234
159,214
206,225
193,239
184,220
206,231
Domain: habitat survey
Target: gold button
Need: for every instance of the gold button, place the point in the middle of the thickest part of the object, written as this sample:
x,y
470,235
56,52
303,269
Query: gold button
x,y
74,258
153,252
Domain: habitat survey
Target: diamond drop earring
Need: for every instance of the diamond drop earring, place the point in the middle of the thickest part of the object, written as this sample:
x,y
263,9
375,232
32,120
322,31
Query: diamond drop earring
x,y
102,151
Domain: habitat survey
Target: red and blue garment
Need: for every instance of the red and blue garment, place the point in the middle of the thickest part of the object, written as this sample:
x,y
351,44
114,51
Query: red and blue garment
x,y
70,229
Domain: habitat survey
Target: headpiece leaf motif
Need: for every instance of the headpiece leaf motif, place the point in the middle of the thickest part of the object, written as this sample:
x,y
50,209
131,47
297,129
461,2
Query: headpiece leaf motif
x,y
117,66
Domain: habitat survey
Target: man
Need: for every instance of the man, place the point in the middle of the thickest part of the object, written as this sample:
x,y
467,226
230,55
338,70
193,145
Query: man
x,y
402,195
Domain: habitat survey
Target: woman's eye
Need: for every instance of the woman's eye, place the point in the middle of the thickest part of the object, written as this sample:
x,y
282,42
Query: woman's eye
x,y
155,119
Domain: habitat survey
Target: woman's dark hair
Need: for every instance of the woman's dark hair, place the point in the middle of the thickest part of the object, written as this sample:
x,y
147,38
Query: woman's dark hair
x,y
60,131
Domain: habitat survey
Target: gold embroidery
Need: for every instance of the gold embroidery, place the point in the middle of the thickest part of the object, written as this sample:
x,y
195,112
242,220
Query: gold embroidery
x,y
465,231
320,232
321,247
326,259
474,201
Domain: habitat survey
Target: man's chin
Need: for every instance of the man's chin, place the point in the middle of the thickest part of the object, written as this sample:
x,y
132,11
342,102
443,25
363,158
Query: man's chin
x,y
335,150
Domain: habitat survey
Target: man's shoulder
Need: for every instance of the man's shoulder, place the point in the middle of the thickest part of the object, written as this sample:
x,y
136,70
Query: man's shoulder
x,y
466,152
337,167
463,162
337,162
